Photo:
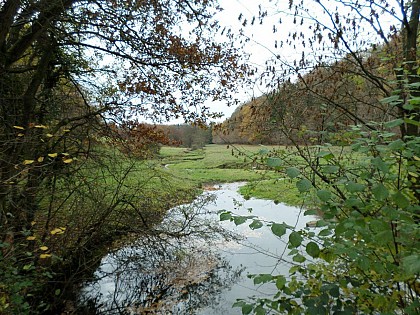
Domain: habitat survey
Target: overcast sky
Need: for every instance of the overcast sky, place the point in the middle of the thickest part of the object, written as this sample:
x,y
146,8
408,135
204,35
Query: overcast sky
x,y
261,46
262,39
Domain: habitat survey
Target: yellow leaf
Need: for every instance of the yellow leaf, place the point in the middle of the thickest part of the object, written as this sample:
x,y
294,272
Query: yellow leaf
x,y
42,256
40,159
19,127
33,223
43,248
49,135
31,238
66,130
20,134
53,155
40,126
67,161
65,154
26,162
59,230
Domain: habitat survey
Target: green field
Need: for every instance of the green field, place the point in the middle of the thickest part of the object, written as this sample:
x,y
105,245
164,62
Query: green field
x,y
221,163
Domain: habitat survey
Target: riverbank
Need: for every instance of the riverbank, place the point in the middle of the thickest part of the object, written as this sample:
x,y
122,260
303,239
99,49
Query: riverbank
x,y
206,270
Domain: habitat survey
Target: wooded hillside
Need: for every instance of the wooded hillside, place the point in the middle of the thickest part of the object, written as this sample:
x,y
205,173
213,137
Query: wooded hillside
x,y
326,99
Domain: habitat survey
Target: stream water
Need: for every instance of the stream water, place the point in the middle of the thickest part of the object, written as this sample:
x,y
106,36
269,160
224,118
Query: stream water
x,y
203,270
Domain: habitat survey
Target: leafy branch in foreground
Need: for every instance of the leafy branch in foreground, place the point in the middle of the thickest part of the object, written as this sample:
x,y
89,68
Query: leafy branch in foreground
x,y
364,254
363,257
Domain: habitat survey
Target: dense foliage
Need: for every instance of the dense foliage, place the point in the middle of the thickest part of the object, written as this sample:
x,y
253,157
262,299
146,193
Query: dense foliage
x,y
360,93
70,71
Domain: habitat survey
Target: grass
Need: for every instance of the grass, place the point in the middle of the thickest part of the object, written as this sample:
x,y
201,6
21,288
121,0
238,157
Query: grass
x,y
279,190
220,163
184,170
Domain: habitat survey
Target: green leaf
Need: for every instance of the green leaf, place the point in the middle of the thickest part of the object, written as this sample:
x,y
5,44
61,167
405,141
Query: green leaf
x,y
311,212
412,122
334,291
391,99
408,106
294,251
225,216
414,85
303,185
364,263
394,123
324,195
312,249
353,202
355,187
278,229
239,303
400,200
411,264
280,282
396,145
247,309
384,237
256,224
294,269
380,192
340,228
379,225
274,162
259,310
415,100
295,239
330,169
325,155
292,172
380,164
299,258
263,278
325,232
27,267
239,220
321,223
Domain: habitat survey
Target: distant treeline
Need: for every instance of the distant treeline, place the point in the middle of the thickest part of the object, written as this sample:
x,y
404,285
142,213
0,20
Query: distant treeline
x,y
188,136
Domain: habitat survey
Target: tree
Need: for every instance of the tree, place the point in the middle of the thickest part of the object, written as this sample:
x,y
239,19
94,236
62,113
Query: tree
x,y
364,256
67,69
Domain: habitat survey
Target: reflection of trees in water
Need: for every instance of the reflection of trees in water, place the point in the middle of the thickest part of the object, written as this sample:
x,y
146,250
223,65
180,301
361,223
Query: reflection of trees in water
x,y
171,270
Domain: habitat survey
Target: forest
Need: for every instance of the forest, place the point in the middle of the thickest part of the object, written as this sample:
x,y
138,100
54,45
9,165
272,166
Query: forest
x,y
81,174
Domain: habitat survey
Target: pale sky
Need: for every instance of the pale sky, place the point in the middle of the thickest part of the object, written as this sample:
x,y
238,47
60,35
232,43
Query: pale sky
x,y
262,39
257,33
261,46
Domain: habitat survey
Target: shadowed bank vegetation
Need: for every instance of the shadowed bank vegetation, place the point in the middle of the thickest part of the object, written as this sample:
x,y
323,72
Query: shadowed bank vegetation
x,y
74,77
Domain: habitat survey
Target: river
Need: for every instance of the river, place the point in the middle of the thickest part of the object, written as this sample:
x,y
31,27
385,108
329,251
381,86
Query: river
x,y
195,264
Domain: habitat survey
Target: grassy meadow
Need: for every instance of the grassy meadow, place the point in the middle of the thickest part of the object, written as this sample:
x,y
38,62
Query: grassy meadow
x,y
220,164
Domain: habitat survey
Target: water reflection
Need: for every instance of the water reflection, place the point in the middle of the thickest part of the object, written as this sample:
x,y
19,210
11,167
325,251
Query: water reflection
x,y
194,264
173,269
